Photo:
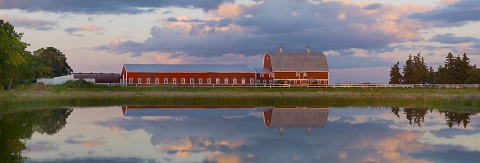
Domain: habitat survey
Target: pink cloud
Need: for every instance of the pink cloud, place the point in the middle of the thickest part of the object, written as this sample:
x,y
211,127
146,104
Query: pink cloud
x,y
89,27
38,24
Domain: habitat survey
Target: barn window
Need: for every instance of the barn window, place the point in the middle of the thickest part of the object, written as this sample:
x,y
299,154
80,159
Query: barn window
x,y
165,80
217,80
130,80
234,80
295,82
258,81
139,81
209,81
261,75
200,81
251,80
243,80
183,80
297,74
174,80
192,81
304,73
148,80
225,80
270,81
264,81
157,80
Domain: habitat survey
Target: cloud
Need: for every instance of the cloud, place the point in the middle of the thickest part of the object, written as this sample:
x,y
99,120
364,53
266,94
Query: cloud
x,y
450,38
107,6
373,6
253,29
461,11
167,12
38,24
89,27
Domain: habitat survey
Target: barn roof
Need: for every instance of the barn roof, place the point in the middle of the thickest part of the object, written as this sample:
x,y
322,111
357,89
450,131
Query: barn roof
x,y
262,70
298,61
219,68
298,117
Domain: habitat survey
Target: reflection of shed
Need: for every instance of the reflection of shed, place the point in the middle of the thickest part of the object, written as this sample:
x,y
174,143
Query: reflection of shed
x,y
295,118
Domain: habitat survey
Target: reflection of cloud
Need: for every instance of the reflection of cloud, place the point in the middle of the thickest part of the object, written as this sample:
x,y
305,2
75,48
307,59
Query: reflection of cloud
x,y
468,141
87,143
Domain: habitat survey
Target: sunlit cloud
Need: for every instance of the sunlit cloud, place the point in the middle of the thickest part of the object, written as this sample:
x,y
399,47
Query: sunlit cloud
x,y
88,28
25,22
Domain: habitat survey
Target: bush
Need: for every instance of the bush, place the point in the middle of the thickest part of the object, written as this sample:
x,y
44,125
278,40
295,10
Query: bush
x,y
80,83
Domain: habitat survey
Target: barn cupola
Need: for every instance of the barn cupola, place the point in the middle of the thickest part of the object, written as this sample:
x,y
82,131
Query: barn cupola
x,y
308,49
280,48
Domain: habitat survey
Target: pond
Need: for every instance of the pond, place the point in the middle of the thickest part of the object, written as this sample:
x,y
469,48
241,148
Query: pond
x,y
232,134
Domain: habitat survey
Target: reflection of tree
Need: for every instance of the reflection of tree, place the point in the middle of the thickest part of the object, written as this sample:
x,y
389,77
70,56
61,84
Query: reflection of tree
x,y
395,111
417,116
17,127
457,118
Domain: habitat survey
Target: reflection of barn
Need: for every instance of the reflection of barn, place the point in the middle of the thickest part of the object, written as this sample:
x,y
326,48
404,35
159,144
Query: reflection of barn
x,y
308,118
297,68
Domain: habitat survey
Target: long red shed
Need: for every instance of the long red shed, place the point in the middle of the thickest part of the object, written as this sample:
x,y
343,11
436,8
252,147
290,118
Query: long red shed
x,y
187,75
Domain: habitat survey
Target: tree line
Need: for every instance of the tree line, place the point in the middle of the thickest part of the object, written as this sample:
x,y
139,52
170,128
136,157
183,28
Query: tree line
x,y
19,66
456,70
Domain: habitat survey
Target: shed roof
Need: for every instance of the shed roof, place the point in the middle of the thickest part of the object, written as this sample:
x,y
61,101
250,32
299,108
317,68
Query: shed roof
x,y
219,68
298,61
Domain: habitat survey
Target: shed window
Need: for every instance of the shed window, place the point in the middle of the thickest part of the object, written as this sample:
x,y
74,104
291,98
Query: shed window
x,y
200,81
165,80
130,80
157,80
217,80
225,81
148,80
174,80
209,81
261,75
270,81
264,81
243,80
183,80
251,80
234,80
192,80
297,74
258,80
139,81
305,74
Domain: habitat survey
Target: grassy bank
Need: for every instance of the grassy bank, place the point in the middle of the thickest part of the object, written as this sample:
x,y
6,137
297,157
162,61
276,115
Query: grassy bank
x,y
56,96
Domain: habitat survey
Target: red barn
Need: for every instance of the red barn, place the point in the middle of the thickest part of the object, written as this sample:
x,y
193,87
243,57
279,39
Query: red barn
x,y
297,68
187,75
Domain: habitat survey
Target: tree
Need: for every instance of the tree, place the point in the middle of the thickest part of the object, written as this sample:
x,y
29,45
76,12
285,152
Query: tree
x,y
11,49
395,76
408,71
51,59
473,77
449,77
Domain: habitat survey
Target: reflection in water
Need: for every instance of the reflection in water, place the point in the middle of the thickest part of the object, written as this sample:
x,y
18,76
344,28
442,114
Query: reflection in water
x,y
17,127
307,118
417,116
240,134
273,117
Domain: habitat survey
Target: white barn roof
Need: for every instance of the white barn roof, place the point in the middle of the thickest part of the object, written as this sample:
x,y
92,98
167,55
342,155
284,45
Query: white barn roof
x,y
218,68
298,61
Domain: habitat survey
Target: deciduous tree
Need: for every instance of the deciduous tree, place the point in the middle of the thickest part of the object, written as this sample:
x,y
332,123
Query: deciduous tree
x,y
51,59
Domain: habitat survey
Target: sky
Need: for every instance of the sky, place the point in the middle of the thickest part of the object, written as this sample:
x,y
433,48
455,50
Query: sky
x,y
349,135
362,39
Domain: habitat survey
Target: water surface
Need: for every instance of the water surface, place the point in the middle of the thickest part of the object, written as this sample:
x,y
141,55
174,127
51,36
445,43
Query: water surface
x,y
240,134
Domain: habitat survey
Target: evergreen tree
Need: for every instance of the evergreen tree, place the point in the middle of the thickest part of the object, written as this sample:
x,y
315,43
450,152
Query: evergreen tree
x,y
430,76
395,76
408,71
449,75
